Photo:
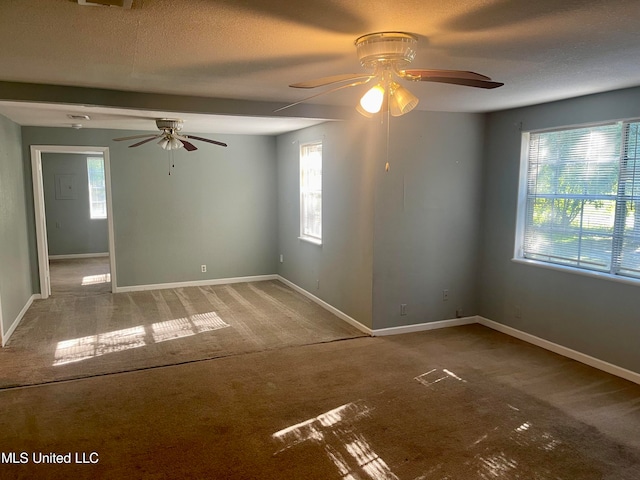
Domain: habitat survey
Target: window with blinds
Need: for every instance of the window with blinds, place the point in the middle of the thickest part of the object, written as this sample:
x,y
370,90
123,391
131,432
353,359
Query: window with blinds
x,y
97,190
311,192
580,195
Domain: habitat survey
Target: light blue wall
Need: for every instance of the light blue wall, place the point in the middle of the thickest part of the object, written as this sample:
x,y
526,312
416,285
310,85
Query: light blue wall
x,y
15,274
597,317
427,209
392,237
217,208
343,264
70,228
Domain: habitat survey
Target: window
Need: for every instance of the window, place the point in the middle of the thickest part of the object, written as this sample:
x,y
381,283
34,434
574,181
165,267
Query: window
x,y
311,192
97,193
580,198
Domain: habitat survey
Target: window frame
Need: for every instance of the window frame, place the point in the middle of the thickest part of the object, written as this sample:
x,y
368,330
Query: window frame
x,y
304,235
92,211
521,207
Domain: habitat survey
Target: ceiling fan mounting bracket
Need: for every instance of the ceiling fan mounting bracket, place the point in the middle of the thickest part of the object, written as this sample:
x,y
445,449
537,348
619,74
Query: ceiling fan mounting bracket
x,y
172,124
386,48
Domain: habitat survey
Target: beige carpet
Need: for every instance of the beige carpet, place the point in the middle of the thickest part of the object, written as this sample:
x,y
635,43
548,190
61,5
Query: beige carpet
x,y
72,336
462,403
80,276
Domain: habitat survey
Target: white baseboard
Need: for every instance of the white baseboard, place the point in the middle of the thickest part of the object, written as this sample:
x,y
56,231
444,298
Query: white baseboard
x,y
343,316
561,350
195,283
18,319
78,255
419,327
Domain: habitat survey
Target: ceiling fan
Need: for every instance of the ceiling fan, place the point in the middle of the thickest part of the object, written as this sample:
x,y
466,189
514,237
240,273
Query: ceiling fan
x,y
389,54
170,136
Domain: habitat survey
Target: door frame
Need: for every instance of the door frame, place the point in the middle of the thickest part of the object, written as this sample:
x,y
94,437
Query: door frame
x,y
40,214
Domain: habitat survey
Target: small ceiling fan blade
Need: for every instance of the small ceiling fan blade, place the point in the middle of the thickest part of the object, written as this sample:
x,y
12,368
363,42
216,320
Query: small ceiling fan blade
x,y
215,142
321,82
134,137
464,82
418,74
145,141
188,146
335,89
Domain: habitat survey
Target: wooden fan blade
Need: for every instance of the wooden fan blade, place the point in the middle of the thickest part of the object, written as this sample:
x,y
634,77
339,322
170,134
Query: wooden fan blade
x,y
464,82
215,142
354,84
321,82
188,146
418,74
134,137
144,141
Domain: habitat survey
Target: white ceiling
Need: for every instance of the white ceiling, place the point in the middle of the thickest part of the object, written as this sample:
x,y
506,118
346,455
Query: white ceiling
x,y
59,115
542,50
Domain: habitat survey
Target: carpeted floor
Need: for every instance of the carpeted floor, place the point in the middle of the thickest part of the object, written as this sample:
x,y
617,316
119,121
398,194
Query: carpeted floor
x,y
74,334
79,276
460,403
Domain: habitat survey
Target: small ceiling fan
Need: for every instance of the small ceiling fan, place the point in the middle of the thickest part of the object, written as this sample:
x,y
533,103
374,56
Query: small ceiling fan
x,y
170,136
389,54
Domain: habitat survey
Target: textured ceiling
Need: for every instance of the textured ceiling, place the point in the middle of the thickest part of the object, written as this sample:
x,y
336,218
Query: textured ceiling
x,y
542,50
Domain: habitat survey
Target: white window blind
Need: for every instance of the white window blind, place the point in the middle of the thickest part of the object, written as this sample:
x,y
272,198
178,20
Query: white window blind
x,y
583,198
97,190
311,191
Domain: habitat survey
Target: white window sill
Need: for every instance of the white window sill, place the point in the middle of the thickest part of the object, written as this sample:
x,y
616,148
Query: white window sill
x,y
578,271
315,241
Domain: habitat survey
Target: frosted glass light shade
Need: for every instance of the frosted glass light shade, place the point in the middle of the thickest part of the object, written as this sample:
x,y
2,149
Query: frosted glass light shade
x,y
175,144
371,101
401,100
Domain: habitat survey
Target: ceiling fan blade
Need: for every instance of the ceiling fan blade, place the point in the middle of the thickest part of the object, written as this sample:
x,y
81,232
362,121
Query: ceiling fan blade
x,y
335,89
145,141
215,142
321,82
464,82
418,74
134,137
188,146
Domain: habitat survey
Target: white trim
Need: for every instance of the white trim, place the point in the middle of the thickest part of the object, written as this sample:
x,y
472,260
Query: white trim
x,y
522,194
561,350
14,325
341,315
312,240
419,327
78,255
196,283
578,271
40,215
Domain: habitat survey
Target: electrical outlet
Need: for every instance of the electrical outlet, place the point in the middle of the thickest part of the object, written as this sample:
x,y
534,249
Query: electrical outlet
x,y
459,312
517,312
317,284
403,309
203,268
281,258
445,295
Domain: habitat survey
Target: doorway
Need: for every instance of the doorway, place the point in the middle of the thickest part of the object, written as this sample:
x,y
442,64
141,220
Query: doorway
x,y
94,271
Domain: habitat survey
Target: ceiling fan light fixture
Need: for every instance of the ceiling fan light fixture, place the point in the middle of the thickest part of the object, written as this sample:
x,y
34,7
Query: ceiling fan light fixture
x,y
164,142
386,47
401,100
174,144
371,102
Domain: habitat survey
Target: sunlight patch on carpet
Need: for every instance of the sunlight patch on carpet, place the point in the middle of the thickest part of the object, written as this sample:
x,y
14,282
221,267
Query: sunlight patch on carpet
x,y
348,450
84,348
